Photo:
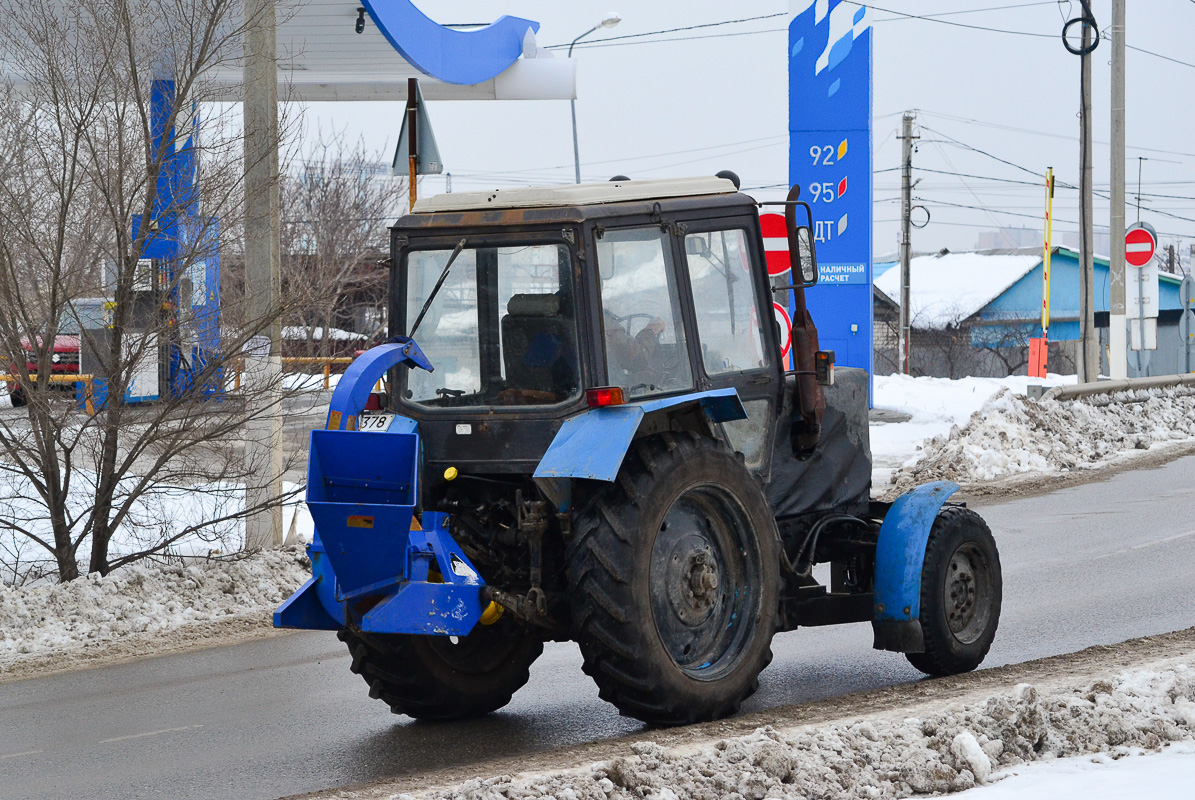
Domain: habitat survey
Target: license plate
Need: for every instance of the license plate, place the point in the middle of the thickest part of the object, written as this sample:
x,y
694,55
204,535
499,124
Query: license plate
x,y
375,422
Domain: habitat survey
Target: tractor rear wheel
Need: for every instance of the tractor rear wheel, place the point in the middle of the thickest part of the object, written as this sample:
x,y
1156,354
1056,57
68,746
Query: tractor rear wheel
x,y
444,677
961,591
674,582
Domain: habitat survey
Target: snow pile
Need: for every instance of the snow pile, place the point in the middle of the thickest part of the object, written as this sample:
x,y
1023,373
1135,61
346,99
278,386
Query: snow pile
x,y
934,406
951,750
1012,435
144,598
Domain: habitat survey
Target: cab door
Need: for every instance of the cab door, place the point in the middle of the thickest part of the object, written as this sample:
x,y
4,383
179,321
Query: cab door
x,y
733,338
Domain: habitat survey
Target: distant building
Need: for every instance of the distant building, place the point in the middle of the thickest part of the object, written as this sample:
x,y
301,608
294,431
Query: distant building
x,y
974,313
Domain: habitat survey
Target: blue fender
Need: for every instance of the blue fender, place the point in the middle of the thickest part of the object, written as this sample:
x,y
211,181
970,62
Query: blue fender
x,y
900,557
593,444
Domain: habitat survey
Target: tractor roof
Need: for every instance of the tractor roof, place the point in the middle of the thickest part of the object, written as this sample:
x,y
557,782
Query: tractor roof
x,y
571,203
581,194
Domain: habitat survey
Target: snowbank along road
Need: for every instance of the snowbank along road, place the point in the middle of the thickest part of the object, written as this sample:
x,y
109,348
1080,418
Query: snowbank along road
x,y
984,727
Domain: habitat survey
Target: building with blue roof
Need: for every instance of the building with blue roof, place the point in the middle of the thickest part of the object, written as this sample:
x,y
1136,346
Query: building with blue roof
x,y
973,313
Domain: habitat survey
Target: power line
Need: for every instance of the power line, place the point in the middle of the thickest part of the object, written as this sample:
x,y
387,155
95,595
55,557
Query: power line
x,y
974,149
967,11
674,30
622,41
1063,136
602,43
929,18
1159,55
773,140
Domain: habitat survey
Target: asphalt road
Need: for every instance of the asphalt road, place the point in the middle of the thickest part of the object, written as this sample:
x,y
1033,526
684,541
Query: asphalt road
x,y
1094,564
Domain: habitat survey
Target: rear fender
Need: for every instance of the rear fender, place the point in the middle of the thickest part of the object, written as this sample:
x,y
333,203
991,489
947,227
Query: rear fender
x,y
592,445
900,557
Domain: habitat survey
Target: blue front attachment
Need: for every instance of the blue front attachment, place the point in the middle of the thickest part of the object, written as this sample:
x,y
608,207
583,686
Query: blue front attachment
x,y
373,563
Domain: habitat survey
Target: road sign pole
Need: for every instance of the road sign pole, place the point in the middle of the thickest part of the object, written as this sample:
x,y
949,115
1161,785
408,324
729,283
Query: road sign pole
x,y
1039,349
412,137
1185,327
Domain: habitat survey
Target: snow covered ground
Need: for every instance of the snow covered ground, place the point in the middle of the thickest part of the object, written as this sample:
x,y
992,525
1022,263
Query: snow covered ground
x,y
143,598
1098,731
1162,776
1009,435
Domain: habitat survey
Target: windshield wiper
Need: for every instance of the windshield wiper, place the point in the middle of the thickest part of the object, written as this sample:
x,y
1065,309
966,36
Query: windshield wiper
x,y
443,276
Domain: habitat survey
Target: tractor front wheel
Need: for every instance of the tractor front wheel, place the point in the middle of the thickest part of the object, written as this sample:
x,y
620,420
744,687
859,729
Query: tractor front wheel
x,y
444,677
674,582
960,594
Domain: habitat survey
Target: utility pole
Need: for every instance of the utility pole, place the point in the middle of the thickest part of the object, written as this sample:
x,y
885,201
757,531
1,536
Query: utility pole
x,y
263,279
1118,363
906,212
1089,366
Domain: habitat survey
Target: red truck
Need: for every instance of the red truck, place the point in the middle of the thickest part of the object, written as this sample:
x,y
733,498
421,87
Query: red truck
x,y
64,360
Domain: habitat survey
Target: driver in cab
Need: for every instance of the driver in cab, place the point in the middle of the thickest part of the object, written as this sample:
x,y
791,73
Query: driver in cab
x,y
634,355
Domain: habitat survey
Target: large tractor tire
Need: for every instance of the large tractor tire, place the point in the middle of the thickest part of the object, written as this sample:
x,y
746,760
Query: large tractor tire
x,y
960,594
442,677
674,582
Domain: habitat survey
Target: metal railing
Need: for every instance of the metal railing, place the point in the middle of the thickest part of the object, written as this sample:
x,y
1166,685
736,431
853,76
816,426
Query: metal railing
x,y
1108,387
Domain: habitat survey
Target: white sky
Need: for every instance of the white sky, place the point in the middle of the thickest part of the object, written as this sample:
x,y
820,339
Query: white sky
x,y
693,107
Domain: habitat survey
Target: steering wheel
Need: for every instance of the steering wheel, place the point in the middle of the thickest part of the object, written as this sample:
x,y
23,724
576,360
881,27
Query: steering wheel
x,y
626,320
453,393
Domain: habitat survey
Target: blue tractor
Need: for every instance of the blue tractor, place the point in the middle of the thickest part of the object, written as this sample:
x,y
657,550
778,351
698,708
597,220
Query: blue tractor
x,y
593,424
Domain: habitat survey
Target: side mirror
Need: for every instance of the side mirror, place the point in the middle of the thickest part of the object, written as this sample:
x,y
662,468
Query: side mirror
x,y
697,245
800,245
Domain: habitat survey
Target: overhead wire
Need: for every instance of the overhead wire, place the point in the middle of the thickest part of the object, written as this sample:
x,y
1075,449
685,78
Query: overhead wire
x,y
929,18
676,30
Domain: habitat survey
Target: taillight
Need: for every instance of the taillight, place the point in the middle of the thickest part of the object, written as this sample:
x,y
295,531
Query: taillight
x,y
605,396
375,402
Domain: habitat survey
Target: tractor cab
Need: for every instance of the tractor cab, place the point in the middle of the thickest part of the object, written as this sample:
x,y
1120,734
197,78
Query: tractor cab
x,y
530,301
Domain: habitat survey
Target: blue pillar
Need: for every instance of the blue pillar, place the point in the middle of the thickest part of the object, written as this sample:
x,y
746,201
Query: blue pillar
x,y
830,99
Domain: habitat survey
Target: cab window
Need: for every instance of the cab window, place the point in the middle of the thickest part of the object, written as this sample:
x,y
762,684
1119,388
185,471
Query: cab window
x,y
728,319
642,328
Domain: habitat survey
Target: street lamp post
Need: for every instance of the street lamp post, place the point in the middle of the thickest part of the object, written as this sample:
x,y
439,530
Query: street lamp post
x,y
611,19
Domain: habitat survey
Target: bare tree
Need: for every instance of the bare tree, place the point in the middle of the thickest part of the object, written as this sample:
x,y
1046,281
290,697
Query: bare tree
x,y
99,195
337,204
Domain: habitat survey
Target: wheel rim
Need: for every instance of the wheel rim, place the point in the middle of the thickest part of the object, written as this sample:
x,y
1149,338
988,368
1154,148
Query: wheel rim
x,y
967,593
705,582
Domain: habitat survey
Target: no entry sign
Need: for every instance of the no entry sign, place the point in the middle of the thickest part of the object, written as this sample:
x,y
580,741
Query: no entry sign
x,y
1140,244
775,243
786,329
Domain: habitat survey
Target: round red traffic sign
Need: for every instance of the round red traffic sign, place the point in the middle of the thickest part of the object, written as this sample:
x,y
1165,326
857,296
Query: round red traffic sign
x,y
786,329
775,243
1139,246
